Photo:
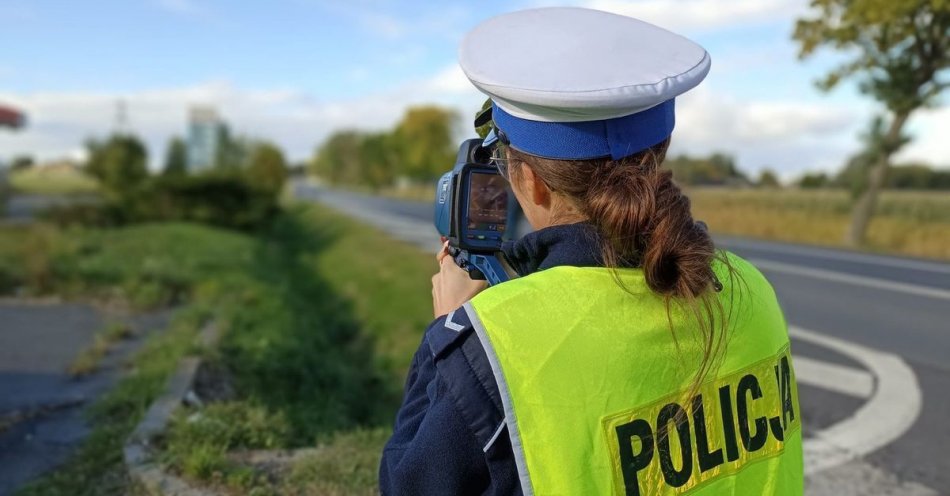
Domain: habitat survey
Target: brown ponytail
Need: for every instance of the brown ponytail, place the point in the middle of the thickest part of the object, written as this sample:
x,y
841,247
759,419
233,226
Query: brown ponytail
x,y
645,221
642,214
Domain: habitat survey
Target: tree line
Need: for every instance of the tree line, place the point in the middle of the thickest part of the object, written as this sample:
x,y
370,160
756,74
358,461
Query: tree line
x,y
419,148
913,176
241,190
120,162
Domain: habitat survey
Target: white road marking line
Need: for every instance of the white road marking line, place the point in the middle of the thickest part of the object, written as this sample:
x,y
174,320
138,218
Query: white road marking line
x,y
869,282
833,377
860,478
886,416
845,256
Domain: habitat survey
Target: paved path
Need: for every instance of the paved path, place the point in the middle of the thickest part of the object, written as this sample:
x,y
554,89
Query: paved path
x,y
871,336
23,208
41,406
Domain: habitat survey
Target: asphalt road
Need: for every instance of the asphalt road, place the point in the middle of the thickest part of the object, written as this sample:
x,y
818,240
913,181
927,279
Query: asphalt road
x,y
42,408
871,338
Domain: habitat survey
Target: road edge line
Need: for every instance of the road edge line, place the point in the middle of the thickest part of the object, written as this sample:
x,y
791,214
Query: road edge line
x,y
871,282
886,416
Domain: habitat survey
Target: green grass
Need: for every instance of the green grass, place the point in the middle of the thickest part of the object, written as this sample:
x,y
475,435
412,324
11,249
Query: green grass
x,y
387,282
53,181
163,262
143,266
348,465
319,347
198,442
88,359
321,316
146,265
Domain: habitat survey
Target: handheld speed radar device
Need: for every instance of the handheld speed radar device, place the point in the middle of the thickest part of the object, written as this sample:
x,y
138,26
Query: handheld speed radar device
x,y
471,211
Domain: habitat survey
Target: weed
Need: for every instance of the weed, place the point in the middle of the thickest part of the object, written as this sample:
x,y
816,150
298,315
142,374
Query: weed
x,y
349,464
87,361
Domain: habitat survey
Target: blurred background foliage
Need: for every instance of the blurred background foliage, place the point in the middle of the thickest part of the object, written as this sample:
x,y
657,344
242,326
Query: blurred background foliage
x,y
419,148
241,191
898,51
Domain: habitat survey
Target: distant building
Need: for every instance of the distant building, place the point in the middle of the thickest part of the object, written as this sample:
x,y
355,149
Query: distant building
x,y
204,138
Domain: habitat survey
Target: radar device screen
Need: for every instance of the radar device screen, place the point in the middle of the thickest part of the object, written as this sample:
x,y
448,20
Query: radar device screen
x,y
488,203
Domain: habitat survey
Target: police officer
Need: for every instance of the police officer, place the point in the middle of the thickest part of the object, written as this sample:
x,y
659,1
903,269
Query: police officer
x,y
630,356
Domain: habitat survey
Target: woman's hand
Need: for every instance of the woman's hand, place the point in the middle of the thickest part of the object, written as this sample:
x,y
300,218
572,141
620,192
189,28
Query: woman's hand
x,y
452,286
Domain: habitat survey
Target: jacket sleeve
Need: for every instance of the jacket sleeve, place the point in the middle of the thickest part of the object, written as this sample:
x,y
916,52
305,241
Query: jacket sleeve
x,y
432,449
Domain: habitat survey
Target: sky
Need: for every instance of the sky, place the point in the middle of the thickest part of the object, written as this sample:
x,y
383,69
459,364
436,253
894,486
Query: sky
x,y
294,71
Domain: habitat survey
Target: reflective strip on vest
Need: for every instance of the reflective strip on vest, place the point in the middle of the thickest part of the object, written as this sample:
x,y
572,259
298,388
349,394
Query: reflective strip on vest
x,y
600,398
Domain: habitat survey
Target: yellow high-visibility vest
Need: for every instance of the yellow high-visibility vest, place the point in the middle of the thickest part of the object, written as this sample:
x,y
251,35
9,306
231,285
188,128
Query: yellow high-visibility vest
x,y
600,392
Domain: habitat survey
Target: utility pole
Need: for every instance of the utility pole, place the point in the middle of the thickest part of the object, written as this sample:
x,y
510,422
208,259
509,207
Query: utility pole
x,y
121,117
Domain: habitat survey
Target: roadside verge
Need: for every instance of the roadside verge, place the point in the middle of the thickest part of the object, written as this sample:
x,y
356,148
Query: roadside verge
x,y
138,451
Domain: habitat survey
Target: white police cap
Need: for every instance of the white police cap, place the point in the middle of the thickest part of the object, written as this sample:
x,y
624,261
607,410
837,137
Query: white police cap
x,y
574,83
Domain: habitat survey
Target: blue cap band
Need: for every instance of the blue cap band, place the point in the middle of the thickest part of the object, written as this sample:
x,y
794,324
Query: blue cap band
x,y
616,138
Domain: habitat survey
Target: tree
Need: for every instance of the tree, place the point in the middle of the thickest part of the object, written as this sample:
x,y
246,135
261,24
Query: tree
x,y
918,176
21,162
768,179
913,176
814,180
232,152
338,158
267,170
176,158
856,173
900,51
718,169
378,158
425,140
119,162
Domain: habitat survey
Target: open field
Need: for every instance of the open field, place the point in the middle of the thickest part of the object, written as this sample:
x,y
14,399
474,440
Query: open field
x,y
906,223
52,181
915,223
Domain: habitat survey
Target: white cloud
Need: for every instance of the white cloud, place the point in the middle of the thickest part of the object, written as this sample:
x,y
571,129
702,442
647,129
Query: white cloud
x,y
701,15
790,137
450,80
929,129
60,122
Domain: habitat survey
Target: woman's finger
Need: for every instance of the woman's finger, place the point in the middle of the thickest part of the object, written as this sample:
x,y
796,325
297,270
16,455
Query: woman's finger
x,y
444,252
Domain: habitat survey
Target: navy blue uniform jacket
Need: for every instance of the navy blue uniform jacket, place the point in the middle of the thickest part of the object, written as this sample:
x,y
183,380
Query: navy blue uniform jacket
x,y
450,436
